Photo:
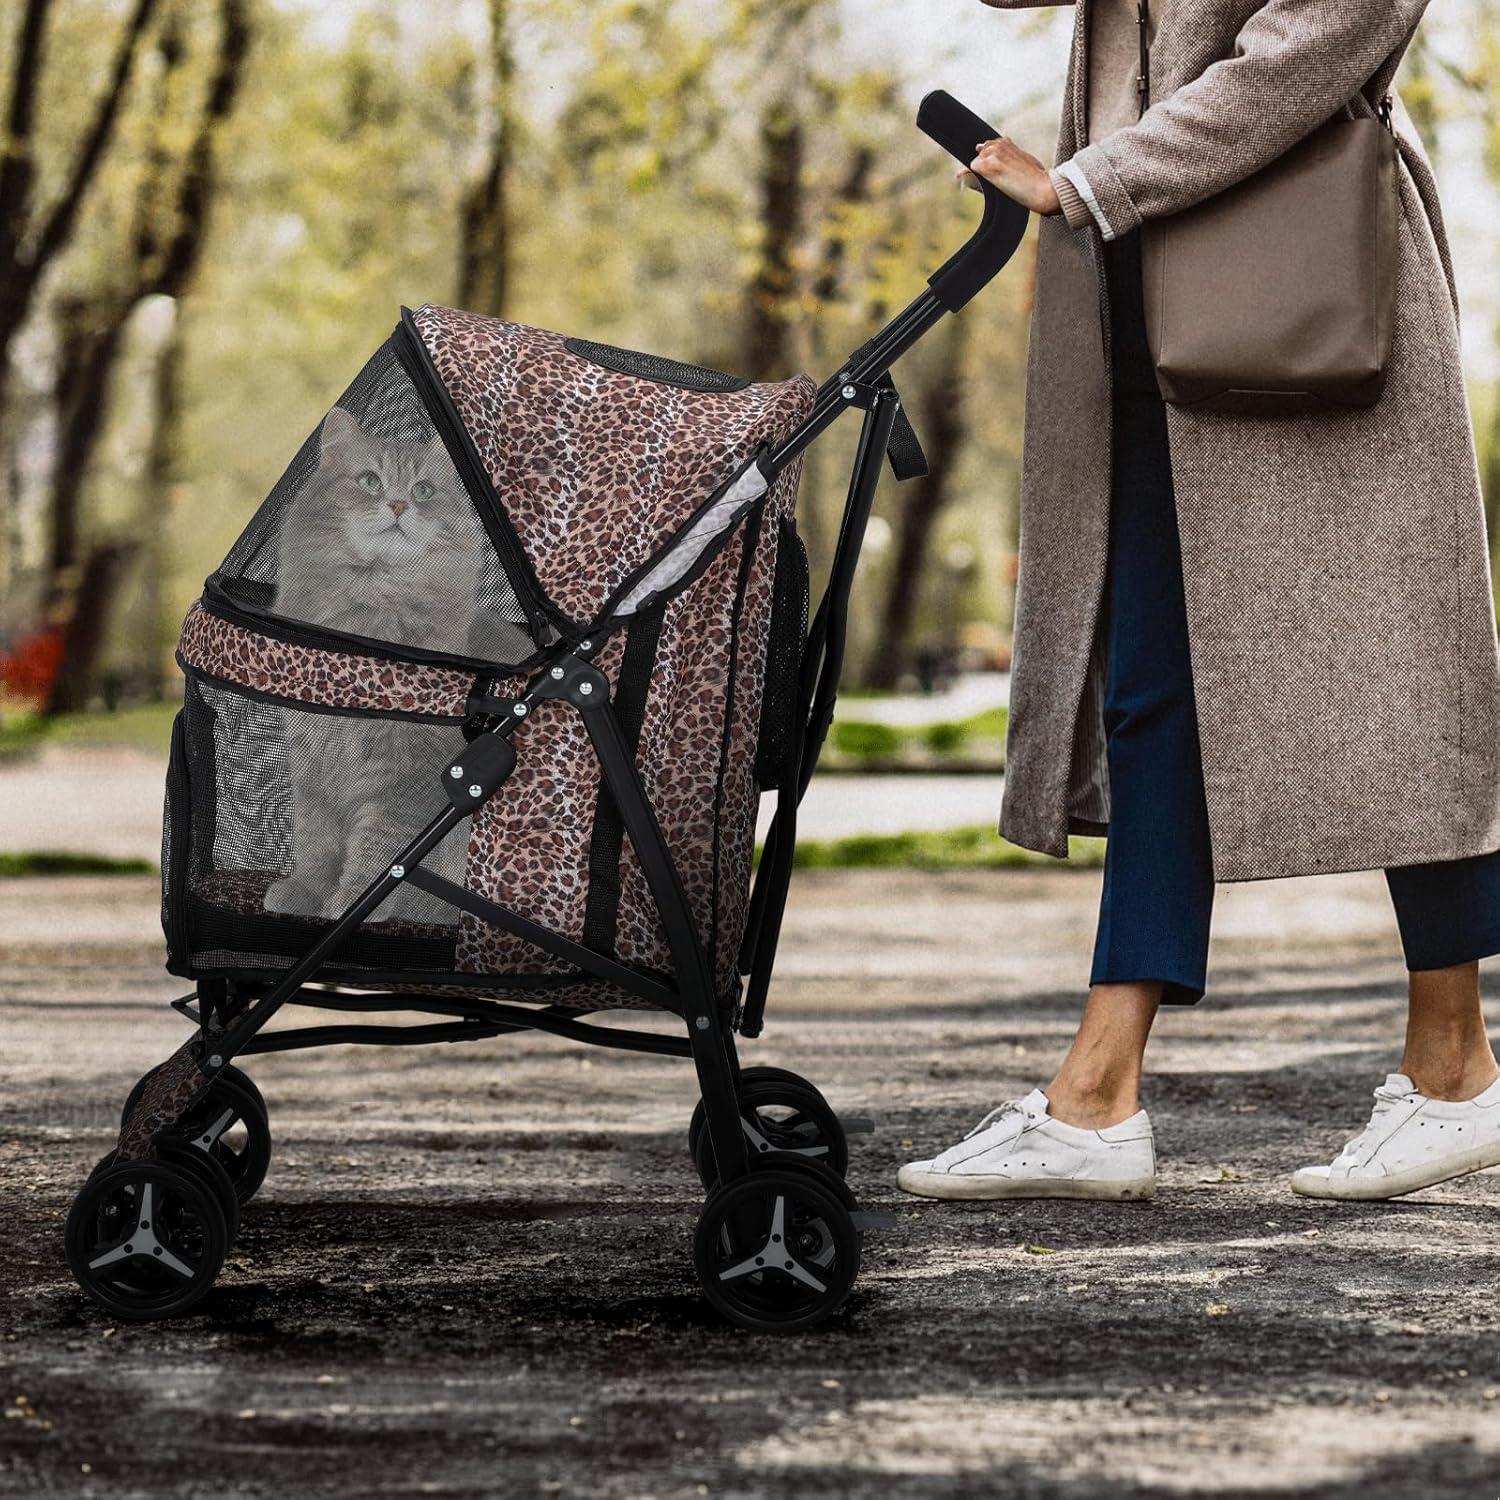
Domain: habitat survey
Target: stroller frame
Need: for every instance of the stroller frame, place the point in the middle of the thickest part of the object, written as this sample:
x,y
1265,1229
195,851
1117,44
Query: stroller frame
x,y
231,1017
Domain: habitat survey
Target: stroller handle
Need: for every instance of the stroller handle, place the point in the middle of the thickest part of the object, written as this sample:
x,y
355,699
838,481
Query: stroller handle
x,y
958,130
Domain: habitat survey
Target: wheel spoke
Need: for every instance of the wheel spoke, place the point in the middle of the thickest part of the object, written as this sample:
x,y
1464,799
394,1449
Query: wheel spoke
x,y
745,1268
794,1268
206,1138
171,1262
120,1252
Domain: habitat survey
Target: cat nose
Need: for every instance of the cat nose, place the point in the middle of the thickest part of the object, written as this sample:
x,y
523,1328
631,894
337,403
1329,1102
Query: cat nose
x,y
400,507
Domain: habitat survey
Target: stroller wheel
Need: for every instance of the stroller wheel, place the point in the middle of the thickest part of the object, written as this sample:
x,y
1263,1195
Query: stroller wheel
x,y
782,1113
777,1250
210,1175
230,1125
146,1239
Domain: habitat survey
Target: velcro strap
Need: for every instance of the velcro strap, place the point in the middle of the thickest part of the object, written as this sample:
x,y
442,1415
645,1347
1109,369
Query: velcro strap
x,y
908,461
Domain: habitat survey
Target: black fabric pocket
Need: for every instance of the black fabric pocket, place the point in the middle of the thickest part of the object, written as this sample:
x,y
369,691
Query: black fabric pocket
x,y
779,744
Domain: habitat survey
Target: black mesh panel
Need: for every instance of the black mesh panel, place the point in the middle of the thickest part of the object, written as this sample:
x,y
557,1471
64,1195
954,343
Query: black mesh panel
x,y
654,367
293,813
372,535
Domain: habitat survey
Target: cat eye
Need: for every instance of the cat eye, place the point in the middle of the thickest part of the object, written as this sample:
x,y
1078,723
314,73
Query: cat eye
x,y
423,489
369,480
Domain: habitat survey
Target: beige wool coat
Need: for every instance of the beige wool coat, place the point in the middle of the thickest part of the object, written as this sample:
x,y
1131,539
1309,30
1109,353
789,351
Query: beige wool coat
x,y
1336,567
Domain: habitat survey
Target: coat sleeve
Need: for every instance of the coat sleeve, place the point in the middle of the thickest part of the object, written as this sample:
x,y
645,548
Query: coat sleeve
x,y
1295,64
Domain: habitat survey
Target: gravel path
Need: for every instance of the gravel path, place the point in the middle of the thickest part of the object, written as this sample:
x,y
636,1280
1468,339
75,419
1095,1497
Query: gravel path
x,y
468,1272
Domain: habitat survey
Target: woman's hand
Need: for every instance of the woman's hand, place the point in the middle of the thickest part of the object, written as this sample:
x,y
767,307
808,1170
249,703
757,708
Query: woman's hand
x,y
1017,173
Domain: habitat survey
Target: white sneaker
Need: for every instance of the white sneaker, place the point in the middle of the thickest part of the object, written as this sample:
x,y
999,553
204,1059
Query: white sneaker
x,y
1020,1151
1411,1142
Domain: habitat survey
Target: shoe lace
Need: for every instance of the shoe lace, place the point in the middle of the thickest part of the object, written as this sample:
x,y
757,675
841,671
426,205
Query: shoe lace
x,y
1386,1098
1010,1107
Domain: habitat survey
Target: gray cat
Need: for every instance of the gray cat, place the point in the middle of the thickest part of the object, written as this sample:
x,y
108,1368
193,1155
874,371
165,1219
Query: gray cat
x,y
381,542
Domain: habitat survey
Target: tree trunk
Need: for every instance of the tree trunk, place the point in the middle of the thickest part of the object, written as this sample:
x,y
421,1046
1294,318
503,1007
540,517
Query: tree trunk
x,y
484,240
941,423
172,211
781,191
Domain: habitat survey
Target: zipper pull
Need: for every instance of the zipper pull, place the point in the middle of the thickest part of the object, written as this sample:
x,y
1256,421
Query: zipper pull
x,y
1383,112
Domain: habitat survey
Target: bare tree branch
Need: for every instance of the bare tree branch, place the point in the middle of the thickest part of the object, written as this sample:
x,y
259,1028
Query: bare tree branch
x,y
58,227
17,166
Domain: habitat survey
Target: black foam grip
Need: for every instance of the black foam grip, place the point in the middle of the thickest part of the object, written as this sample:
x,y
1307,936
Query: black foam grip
x,y
954,126
958,130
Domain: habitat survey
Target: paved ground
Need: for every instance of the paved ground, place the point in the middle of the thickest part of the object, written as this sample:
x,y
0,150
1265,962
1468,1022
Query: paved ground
x,y
468,1271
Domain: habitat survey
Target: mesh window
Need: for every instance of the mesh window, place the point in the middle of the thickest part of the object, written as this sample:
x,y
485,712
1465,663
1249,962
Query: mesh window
x,y
292,814
372,534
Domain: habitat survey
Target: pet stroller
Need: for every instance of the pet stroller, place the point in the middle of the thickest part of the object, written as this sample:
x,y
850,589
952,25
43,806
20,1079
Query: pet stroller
x,y
478,711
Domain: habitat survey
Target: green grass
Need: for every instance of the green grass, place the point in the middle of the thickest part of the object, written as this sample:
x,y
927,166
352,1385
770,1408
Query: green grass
x,y
981,735
973,848
147,727
61,862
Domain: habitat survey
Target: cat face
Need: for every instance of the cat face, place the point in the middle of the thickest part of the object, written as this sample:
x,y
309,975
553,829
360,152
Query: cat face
x,y
386,504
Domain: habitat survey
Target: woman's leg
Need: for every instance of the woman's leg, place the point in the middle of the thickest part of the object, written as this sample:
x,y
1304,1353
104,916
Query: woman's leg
x,y
1099,1083
1157,902
1449,918
1439,1116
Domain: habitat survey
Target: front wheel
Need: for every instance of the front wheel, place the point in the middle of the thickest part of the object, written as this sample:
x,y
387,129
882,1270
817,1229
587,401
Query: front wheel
x,y
146,1239
777,1250
229,1124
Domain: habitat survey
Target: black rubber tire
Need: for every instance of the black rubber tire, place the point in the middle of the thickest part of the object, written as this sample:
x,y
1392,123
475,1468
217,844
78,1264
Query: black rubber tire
x,y
819,1241
243,1148
812,1130
210,1173
184,1220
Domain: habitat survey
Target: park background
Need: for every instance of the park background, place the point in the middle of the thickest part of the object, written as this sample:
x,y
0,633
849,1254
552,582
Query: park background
x,y
468,1273
211,210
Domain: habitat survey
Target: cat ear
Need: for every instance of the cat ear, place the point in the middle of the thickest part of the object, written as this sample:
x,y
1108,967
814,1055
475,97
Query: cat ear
x,y
339,428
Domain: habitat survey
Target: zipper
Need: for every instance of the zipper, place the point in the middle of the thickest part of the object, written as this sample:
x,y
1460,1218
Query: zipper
x,y
217,601
436,398
1143,78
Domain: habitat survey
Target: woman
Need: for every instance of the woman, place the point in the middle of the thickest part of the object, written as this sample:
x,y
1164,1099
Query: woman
x,y
1245,646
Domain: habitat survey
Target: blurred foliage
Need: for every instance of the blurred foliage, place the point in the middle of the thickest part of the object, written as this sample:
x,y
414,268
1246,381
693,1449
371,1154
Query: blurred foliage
x,y
721,184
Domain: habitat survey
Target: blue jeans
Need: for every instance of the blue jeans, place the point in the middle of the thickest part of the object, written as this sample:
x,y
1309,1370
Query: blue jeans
x,y
1157,906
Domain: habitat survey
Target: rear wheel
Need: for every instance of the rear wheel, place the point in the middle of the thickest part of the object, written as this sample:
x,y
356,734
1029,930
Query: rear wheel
x,y
777,1250
781,1113
146,1239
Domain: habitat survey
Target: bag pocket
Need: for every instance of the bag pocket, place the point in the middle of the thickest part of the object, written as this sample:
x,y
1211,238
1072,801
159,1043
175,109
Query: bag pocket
x,y
779,744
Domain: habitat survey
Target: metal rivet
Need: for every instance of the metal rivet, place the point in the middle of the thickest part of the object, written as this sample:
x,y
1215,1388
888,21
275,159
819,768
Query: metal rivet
x,y
519,710
585,688
456,772
585,645
701,1023
398,872
476,790
850,393
557,674
216,1061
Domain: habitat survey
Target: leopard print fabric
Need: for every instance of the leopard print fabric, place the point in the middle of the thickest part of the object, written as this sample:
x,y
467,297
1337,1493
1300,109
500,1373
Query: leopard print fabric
x,y
529,844
595,469
173,1089
306,674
